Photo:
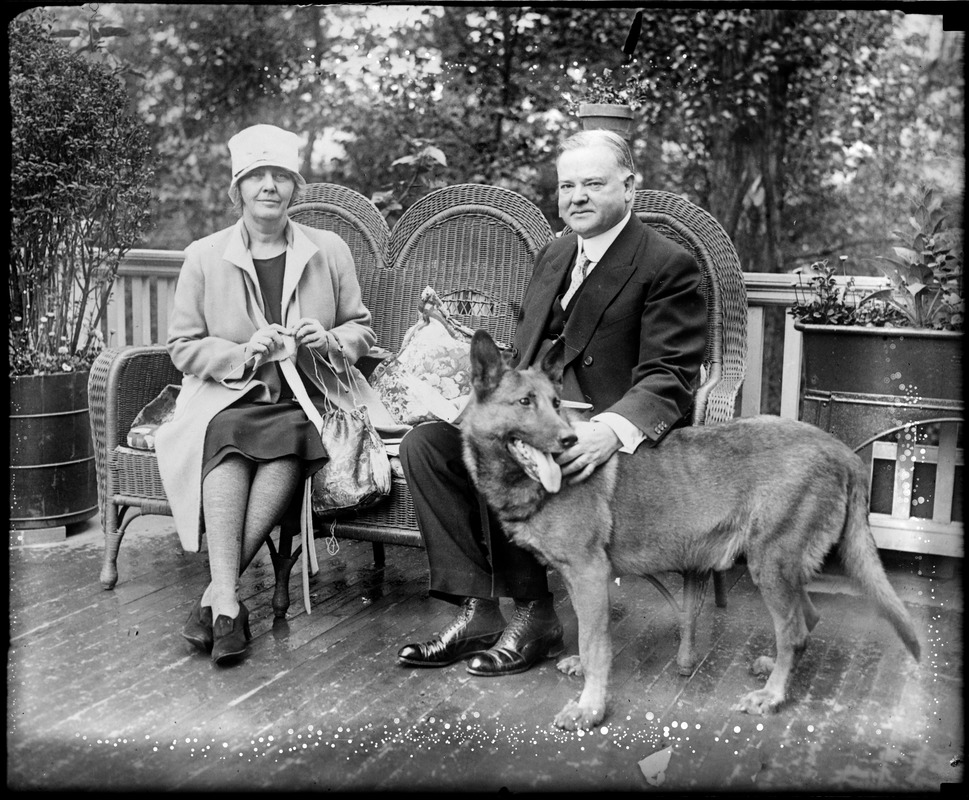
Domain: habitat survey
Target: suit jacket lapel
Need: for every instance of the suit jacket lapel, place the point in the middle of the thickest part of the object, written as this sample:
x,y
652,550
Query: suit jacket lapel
x,y
237,253
606,281
542,291
300,251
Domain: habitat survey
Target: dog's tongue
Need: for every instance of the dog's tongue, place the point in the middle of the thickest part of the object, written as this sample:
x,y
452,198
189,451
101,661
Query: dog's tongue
x,y
538,466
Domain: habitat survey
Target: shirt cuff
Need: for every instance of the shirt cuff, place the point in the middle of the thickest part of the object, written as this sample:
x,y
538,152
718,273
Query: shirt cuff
x,y
630,436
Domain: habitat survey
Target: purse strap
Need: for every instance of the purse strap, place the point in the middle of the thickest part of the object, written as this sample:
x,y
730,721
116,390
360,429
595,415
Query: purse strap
x,y
310,563
291,374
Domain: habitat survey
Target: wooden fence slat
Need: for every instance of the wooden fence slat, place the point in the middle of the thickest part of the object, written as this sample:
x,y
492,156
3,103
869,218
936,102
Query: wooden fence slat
x,y
163,303
118,315
141,301
753,387
945,476
791,375
917,536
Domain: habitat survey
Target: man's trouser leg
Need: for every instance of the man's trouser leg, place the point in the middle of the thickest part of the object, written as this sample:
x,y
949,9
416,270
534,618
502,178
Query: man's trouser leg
x,y
467,553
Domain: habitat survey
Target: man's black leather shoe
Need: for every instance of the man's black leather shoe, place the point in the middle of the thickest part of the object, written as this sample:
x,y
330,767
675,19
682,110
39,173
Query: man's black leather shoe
x,y
533,633
477,627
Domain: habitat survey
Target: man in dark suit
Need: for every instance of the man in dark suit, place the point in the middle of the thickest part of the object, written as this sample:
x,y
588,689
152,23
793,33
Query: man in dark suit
x,y
627,302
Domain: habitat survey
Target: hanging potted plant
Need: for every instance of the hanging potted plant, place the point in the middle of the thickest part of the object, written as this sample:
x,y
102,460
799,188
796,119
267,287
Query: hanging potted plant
x,y
892,358
609,99
80,165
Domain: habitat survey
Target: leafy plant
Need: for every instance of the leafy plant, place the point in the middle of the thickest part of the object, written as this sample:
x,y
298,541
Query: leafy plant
x,y
80,165
417,171
925,280
926,273
822,300
619,85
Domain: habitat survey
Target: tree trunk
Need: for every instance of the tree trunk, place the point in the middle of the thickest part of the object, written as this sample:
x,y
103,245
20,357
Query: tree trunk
x,y
746,192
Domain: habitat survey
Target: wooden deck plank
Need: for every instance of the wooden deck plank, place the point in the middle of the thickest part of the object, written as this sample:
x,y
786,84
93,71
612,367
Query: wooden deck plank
x,y
525,718
105,695
737,753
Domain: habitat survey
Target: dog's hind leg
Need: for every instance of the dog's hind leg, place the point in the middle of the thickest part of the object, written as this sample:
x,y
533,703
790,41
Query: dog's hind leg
x,y
785,603
694,590
811,615
764,665
588,585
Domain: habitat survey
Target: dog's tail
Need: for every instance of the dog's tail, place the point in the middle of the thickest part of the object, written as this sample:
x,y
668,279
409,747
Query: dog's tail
x,y
859,554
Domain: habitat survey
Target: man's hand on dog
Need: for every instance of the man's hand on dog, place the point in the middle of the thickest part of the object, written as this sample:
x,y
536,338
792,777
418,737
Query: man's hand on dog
x,y
596,444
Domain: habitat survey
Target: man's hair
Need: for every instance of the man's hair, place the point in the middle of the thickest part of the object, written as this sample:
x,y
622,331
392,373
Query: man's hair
x,y
235,197
603,138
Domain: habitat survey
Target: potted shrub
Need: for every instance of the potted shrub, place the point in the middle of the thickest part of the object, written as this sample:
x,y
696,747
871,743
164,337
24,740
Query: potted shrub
x,y
80,165
892,358
609,99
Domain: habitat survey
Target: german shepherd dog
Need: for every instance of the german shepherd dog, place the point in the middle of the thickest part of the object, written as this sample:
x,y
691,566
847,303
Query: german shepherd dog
x,y
780,492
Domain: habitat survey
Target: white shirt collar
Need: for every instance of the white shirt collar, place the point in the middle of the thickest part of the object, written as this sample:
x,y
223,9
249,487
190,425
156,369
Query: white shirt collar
x,y
595,246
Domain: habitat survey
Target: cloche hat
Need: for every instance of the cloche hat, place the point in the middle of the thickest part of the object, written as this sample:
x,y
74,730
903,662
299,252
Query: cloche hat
x,y
263,146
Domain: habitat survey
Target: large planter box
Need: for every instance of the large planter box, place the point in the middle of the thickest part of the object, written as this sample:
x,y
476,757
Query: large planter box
x,y
52,475
882,391
861,383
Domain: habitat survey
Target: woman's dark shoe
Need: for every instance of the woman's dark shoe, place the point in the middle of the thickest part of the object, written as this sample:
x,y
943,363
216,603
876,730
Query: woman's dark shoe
x,y
477,627
533,633
198,626
230,636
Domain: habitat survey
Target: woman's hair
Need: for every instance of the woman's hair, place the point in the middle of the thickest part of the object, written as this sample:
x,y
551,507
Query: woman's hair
x,y
613,141
236,197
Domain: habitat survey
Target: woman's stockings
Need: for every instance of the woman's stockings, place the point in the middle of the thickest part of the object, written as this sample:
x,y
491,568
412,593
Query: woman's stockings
x,y
270,494
242,502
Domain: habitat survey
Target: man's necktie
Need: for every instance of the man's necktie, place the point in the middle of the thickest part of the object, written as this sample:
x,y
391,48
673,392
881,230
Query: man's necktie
x,y
579,272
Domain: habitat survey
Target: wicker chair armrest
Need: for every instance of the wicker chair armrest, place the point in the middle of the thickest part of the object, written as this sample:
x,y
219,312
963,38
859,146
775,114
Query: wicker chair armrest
x,y
122,382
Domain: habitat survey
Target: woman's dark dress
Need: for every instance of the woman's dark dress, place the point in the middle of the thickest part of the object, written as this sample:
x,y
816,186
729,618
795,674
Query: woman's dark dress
x,y
266,431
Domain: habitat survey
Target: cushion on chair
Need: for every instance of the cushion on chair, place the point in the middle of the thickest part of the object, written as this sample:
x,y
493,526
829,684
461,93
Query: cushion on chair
x,y
141,435
430,376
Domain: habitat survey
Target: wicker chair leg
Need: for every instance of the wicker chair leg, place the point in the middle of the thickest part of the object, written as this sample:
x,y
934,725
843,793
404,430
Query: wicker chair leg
x,y
719,589
112,543
109,567
283,559
379,556
694,590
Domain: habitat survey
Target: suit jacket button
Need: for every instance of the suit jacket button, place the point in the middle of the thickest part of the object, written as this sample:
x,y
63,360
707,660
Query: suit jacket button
x,y
587,361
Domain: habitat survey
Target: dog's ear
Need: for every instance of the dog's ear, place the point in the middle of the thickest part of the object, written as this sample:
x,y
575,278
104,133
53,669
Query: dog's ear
x,y
487,363
554,361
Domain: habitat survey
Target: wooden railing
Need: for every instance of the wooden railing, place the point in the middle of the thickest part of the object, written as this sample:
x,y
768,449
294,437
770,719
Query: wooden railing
x,y
144,292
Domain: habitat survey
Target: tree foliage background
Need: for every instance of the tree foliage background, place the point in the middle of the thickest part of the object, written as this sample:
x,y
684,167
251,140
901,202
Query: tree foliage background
x,y
79,177
803,130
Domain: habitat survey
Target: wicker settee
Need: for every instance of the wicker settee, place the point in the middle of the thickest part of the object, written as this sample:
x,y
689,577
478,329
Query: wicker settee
x,y
475,245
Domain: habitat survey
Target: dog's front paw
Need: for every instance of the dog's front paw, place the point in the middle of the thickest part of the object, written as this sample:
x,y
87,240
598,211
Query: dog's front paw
x,y
575,717
570,665
762,667
760,702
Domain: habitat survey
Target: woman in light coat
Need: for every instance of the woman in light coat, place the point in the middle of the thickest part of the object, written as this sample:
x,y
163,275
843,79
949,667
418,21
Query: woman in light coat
x,y
239,447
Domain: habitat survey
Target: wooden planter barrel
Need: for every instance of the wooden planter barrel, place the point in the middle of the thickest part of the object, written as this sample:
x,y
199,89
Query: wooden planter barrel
x,y
606,116
863,382
52,475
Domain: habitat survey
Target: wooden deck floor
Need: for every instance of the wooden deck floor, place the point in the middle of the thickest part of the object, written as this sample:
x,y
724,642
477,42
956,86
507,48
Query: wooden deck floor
x,y
103,693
